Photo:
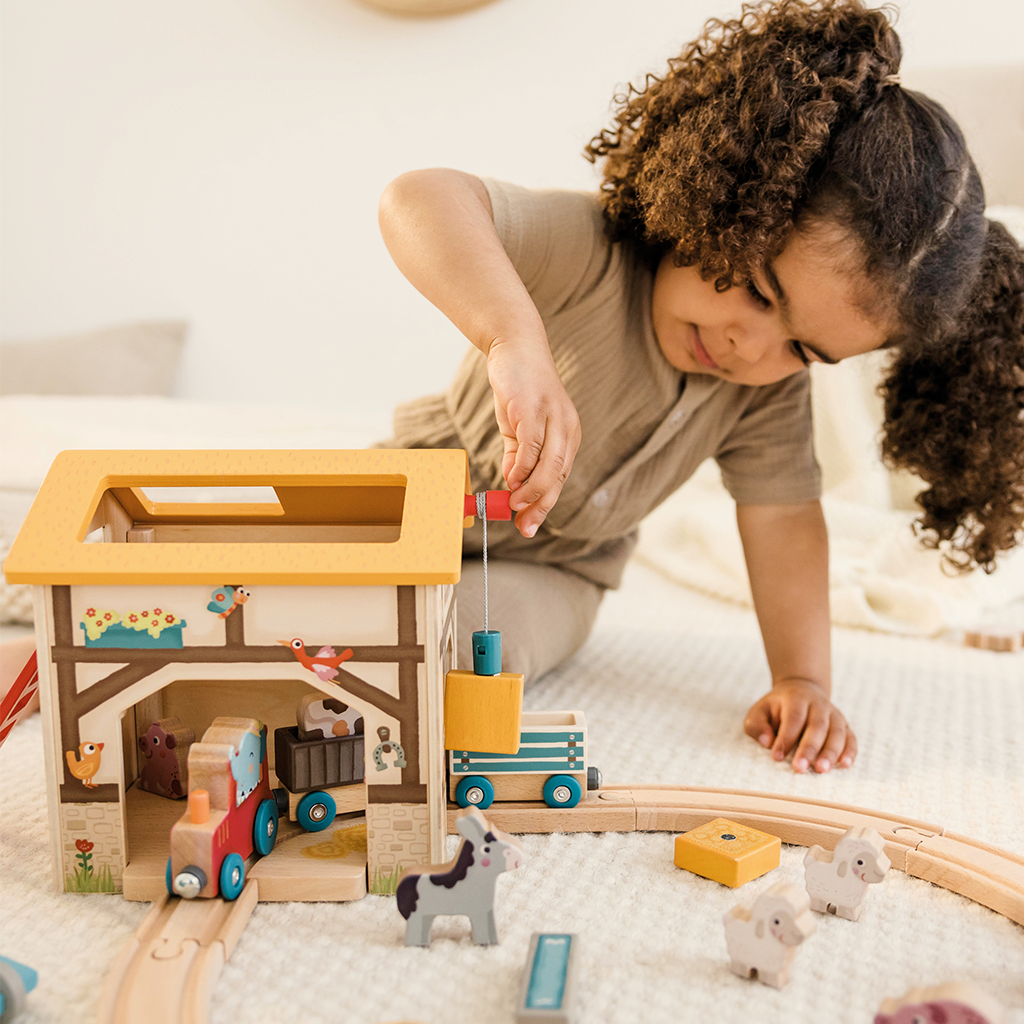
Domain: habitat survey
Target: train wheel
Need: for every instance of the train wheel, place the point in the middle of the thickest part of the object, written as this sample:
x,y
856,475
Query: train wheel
x,y
475,791
316,811
264,828
562,791
232,876
169,879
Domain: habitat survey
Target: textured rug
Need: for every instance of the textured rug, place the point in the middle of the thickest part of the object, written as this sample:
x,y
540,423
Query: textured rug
x,y
664,682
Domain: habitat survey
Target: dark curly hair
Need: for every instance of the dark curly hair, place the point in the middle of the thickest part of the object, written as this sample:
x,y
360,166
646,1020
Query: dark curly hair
x,y
793,114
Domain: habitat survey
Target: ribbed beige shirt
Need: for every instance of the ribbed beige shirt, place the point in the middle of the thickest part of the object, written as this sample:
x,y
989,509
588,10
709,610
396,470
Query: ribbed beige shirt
x,y
643,432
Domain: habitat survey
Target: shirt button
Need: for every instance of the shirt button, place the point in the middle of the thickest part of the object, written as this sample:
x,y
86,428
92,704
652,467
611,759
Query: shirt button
x,y
601,498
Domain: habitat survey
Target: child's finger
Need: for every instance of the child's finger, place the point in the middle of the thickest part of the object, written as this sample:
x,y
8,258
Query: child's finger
x,y
849,754
791,724
833,746
814,735
758,724
537,495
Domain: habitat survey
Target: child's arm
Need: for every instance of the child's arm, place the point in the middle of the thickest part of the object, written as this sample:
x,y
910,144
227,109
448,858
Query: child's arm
x,y
786,549
438,226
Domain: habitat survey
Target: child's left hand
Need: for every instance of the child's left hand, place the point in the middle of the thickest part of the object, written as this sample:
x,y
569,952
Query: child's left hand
x,y
798,714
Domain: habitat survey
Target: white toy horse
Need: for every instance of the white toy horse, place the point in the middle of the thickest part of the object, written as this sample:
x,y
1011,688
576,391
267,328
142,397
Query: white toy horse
x,y
463,886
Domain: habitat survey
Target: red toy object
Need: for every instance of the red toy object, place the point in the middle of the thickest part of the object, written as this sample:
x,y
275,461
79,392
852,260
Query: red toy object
x,y
324,664
231,811
18,696
497,507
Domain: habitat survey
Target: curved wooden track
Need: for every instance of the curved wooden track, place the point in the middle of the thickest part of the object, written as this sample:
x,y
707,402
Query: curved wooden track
x,y
983,873
167,972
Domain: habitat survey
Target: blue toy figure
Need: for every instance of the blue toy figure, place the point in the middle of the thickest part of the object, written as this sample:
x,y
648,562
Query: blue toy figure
x,y
16,981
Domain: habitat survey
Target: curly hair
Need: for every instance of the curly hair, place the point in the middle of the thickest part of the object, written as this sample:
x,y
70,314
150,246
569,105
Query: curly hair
x,y
792,114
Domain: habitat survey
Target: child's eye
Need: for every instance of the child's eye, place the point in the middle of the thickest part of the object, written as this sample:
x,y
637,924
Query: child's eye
x,y
798,351
756,295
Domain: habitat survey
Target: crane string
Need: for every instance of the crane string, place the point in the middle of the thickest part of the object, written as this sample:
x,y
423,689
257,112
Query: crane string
x,y
481,511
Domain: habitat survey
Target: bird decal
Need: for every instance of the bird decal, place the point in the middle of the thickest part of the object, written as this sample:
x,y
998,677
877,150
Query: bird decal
x,y
86,764
324,663
227,599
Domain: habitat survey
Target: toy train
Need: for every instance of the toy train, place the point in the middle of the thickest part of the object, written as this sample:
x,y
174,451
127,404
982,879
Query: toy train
x,y
550,765
232,811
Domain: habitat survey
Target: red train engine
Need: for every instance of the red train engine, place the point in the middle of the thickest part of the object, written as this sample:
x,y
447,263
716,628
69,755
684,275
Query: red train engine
x,y
231,811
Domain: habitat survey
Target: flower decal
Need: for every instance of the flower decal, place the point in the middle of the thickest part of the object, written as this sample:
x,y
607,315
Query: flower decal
x,y
96,622
83,845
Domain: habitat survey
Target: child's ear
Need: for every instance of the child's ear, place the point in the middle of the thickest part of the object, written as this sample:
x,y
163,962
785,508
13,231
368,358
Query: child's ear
x,y
759,930
843,869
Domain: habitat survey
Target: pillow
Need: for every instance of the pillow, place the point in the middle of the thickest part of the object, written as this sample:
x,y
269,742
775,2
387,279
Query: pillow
x,y
133,359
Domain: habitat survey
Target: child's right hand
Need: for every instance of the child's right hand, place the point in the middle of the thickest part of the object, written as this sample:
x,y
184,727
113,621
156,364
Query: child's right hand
x,y
539,425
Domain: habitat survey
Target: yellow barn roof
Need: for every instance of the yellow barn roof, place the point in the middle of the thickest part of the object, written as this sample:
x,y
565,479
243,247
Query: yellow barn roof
x,y
341,517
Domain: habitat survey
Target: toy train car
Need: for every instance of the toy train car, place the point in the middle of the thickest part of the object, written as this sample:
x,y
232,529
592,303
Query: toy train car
x,y
550,765
231,811
320,776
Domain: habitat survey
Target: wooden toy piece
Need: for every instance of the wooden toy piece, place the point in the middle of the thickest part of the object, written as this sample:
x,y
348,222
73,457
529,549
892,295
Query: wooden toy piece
x,y
17,699
462,886
164,758
548,989
324,717
16,981
496,505
231,812
762,940
727,852
1005,642
483,712
550,765
951,1003
837,881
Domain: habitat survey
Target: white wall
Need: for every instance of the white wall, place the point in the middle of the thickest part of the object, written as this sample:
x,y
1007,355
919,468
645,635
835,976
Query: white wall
x,y
221,162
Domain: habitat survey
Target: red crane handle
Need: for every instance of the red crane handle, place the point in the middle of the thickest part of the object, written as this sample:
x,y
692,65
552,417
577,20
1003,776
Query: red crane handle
x,y
497,505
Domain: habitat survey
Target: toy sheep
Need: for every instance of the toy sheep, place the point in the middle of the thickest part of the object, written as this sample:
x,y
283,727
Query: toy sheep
x,y
837,881
762,941
952,1003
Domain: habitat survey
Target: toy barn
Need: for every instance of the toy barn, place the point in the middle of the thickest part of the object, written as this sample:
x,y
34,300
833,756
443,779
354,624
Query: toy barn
x,y
160,616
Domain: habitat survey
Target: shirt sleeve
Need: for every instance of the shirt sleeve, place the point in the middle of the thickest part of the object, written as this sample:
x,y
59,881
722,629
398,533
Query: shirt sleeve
x,y
555,240
768,456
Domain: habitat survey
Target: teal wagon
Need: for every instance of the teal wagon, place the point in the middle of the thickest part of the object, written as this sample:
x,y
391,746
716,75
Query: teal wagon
x,y
551,765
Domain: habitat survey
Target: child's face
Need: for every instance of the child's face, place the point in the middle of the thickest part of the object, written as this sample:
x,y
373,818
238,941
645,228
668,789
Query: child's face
x,y
805,307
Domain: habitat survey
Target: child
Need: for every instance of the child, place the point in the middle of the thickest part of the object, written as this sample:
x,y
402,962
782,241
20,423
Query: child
x,y
776,198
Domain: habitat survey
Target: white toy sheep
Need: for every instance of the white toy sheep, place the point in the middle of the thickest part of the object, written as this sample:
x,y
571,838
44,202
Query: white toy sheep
x,y
762,941
837,881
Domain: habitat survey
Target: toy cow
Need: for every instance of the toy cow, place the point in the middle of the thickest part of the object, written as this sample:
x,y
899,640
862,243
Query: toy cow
x,y
952,1003
463,886
837,881
164,756
762,940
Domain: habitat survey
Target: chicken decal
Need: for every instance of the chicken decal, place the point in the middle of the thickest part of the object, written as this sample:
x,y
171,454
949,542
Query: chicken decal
x,y
86,764
324,664
224,600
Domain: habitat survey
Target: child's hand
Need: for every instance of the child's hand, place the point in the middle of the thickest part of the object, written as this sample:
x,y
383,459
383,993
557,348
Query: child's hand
x,y
539,424
798,714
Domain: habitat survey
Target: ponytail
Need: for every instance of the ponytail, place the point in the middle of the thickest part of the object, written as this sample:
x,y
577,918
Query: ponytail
x,y
954,415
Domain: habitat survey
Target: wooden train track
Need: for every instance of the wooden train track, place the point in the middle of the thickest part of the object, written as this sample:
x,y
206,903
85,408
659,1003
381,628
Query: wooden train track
x,y
982,873
167,972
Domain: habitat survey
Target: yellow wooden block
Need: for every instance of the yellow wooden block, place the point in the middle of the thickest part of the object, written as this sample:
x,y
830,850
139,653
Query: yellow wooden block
x,y
483,713
727,852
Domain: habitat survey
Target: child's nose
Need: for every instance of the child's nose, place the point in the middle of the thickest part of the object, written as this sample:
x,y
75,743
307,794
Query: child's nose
x,y
753,341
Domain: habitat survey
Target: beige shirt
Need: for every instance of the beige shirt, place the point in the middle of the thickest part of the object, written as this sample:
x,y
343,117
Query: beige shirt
x,y
646,426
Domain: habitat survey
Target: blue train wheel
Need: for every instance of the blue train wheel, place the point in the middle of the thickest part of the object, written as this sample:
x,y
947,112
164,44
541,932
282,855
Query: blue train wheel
x,y
562,791
232,876
316,811
169,879
264,828
474,791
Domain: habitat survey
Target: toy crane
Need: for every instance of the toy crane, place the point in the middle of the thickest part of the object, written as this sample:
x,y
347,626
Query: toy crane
x,y
483,708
